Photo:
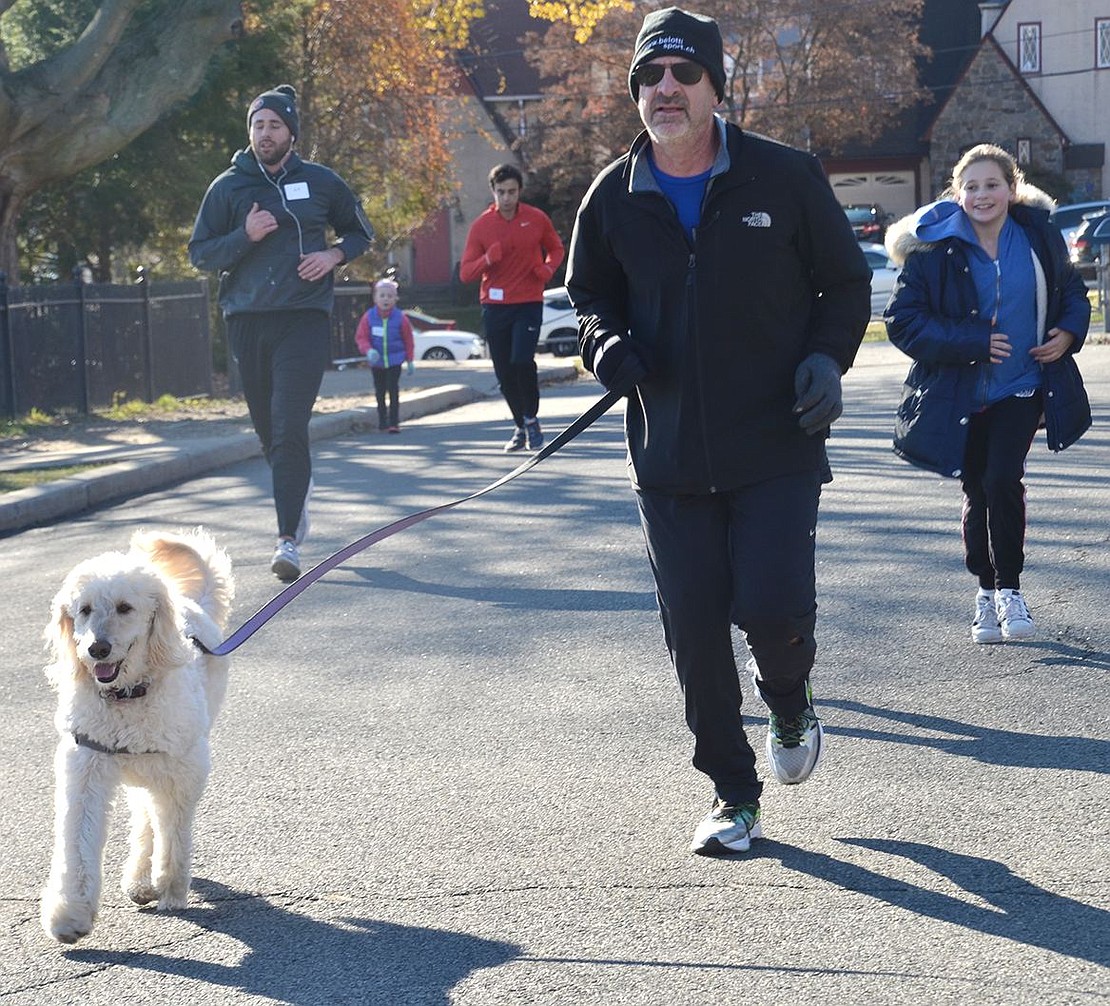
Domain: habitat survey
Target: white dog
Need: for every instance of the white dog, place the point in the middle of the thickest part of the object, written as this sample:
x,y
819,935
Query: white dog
x,y
136,700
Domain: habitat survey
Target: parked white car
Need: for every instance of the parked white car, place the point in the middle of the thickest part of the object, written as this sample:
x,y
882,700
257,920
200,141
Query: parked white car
x,y
559,328
883,274
446,344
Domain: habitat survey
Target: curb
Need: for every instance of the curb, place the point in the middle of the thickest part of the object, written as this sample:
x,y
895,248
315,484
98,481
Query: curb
x,y
160,467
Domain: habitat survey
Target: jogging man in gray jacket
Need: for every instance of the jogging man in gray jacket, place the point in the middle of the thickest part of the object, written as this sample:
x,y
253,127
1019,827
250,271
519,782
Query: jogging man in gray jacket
x,y
263,227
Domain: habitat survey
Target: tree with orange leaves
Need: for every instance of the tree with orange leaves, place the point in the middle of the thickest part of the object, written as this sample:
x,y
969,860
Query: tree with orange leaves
x,y
369,76
813,73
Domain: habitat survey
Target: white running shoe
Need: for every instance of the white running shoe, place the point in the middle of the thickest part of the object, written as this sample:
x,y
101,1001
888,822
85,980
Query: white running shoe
x,y
1014,618
985,627
795,746
727,828
286,563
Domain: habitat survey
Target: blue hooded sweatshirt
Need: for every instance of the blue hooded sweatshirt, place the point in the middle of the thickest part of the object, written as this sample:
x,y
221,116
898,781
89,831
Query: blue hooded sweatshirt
x,y
1007,289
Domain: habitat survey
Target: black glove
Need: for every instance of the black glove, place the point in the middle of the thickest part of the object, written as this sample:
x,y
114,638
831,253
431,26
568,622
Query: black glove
x,y
618,366
817,385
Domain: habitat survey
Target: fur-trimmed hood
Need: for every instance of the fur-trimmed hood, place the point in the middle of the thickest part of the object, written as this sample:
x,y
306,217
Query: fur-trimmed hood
x,y
943,219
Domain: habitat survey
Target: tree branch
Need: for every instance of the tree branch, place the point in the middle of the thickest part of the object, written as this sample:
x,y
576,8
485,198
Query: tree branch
x,y
70,69
157,64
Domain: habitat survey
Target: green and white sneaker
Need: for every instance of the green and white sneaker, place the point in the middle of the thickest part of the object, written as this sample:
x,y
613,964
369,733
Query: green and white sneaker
x,y
727,828
795,745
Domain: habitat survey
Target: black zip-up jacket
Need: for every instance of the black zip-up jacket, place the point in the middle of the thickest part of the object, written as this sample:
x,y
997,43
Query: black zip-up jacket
x,y
773,274
305,198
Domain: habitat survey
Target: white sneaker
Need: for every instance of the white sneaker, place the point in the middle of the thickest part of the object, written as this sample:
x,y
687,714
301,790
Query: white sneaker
x,y
304,525
286,563
985,628
727,828
795,746
1013,615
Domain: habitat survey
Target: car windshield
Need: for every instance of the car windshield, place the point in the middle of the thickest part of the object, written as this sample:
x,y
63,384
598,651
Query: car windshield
x,y
1070,216
860,214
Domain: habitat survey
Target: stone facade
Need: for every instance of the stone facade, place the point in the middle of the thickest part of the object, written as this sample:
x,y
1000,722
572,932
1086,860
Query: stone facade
x,y
991,92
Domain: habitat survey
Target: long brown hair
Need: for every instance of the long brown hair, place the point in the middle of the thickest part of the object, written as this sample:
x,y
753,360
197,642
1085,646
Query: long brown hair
x,y
1013,175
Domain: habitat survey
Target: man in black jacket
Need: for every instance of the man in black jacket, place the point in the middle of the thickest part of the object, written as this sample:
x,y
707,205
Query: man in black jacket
x,y
719,285
263,227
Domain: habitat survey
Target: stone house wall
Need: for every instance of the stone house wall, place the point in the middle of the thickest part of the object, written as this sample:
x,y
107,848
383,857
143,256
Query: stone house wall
x,y
989,92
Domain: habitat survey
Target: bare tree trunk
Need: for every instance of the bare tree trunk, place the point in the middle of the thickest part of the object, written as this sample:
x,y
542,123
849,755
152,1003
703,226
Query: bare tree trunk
x,y
9,228
88,101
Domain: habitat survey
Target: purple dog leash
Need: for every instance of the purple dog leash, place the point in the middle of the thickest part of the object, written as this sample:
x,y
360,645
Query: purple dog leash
x,y
280,600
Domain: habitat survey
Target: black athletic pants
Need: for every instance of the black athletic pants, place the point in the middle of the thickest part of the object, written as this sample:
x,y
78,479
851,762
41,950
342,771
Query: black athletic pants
x,y
282,356
512,331
387,382
744,557
993,520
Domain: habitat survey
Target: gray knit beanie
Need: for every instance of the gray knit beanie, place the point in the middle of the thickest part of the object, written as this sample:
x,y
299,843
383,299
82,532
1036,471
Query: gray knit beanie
x,y
282,100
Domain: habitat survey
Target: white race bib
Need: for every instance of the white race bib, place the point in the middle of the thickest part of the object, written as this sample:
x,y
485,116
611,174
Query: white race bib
x,y
496,293
296,190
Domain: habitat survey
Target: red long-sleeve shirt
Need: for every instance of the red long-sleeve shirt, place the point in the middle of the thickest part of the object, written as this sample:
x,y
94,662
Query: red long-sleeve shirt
x,y
530,253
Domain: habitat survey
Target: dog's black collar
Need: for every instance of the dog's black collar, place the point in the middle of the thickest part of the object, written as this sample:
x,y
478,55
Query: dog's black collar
x,y
136,691
85,741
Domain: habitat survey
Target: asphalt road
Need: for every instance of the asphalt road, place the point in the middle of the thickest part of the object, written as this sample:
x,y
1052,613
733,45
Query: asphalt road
x,y
455,771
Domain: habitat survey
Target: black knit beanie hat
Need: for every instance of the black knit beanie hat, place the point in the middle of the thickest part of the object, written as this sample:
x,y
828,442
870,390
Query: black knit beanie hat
x,y
675,32
282,100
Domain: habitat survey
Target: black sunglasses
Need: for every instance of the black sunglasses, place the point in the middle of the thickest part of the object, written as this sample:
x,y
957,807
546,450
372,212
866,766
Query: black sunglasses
x,y
650,74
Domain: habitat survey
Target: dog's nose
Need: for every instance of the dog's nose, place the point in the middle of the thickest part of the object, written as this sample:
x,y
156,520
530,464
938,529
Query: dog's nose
x,y
100,649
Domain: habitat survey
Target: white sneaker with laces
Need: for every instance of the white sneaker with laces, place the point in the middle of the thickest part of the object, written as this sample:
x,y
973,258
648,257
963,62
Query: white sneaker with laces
x,y
1014,618
985,627
286,563
727,828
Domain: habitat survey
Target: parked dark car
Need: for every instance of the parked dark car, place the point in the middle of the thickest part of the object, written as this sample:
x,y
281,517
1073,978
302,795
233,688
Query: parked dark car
x,y
1070,216
1087,247
868,222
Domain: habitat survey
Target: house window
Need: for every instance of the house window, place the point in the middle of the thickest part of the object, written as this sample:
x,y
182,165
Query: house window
x,y
1102,43
1029,47
1024,151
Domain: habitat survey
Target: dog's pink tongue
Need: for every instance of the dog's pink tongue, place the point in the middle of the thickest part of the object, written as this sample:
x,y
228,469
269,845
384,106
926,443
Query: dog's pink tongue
x,y
106,672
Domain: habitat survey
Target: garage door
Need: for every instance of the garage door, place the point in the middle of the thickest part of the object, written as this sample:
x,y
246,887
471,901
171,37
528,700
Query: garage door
x,y
892,190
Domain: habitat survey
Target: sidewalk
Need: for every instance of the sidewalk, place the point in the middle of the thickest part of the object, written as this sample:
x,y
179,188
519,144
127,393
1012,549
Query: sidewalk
x,y
128,470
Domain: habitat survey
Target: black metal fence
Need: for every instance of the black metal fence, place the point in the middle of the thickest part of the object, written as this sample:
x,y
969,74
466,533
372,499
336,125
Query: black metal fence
x,y
76,347
352,301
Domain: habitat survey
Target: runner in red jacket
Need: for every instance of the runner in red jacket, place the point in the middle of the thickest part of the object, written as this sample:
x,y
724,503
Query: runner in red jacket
x,y
513,248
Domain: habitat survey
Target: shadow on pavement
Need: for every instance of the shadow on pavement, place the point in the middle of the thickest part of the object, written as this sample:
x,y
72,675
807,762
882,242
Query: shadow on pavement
x,y
291,958
985,744
1018,910
528,599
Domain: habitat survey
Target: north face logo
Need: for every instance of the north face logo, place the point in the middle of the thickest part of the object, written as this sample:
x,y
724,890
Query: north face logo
x,y
757,218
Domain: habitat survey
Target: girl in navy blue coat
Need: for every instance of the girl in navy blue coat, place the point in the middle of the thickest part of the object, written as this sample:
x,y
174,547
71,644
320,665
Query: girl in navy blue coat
x,y
992,312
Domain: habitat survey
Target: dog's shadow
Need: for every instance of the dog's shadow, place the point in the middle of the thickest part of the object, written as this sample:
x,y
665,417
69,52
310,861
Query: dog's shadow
x,y
294,959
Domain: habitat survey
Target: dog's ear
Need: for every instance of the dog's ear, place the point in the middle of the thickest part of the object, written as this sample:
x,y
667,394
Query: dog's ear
x,y
58,634
166,643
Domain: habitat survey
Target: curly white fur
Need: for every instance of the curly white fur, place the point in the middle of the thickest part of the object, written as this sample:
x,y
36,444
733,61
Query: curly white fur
x,y
122,623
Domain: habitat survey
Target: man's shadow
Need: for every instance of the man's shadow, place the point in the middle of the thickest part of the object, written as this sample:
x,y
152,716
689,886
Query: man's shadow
x,y
294,959
985,744
1019,910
